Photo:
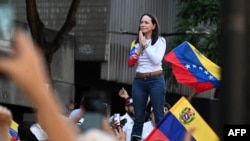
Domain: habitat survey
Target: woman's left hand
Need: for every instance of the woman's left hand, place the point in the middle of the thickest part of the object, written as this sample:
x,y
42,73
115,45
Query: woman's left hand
x,y
142,39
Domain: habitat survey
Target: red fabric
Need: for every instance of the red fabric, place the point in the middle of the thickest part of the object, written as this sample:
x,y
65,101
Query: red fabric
x,y
156,135
133,59
185,77
13,138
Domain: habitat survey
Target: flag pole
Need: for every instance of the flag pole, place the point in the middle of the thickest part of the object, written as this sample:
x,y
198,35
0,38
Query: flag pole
x,y
191,96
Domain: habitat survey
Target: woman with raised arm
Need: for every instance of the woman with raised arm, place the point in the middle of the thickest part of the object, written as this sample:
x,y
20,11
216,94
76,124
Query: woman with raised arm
x,y
146,54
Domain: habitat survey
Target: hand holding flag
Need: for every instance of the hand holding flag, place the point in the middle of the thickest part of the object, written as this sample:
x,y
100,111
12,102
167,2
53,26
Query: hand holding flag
x,y
8,128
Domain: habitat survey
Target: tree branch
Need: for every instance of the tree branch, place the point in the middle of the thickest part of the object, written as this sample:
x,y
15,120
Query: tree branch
x,y
34,21
68,25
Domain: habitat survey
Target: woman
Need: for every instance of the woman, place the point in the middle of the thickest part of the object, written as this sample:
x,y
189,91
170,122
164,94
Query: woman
x,y
147,52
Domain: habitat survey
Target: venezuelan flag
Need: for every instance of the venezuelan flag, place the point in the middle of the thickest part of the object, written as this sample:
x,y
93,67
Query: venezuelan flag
x,y
133,56
180,119
13,130
192,68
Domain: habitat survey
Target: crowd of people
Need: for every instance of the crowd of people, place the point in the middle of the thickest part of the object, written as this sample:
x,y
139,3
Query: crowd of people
x,y
90,122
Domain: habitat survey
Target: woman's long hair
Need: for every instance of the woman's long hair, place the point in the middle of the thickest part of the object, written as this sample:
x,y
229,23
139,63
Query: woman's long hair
x,y
155,32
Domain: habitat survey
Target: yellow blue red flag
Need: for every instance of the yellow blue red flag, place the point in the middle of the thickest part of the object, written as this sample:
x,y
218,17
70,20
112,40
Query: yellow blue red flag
x,y
192,68
14,130
133,56
180,119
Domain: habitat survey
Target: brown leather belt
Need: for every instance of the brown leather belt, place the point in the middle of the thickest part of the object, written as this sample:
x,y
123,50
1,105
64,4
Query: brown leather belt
x,y
149,74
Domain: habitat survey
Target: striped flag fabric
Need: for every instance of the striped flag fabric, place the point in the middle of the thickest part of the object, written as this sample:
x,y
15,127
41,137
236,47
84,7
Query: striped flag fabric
x,y
180,119
14,131
192,68
133,56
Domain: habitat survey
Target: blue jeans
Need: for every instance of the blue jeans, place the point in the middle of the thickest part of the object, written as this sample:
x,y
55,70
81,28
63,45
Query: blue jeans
x,y
155,87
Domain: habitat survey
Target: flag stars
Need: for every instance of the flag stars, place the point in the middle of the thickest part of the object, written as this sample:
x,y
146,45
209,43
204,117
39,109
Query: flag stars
x,y
188,66
211,77
194,66
206,72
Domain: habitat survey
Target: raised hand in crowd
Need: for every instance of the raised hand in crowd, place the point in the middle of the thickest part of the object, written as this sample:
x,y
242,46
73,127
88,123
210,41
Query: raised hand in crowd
x,y
5,121
120,134
123,93
188,135
26,67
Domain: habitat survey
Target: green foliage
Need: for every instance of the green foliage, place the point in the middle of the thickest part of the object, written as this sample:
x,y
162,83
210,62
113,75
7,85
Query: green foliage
x,y
199,16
